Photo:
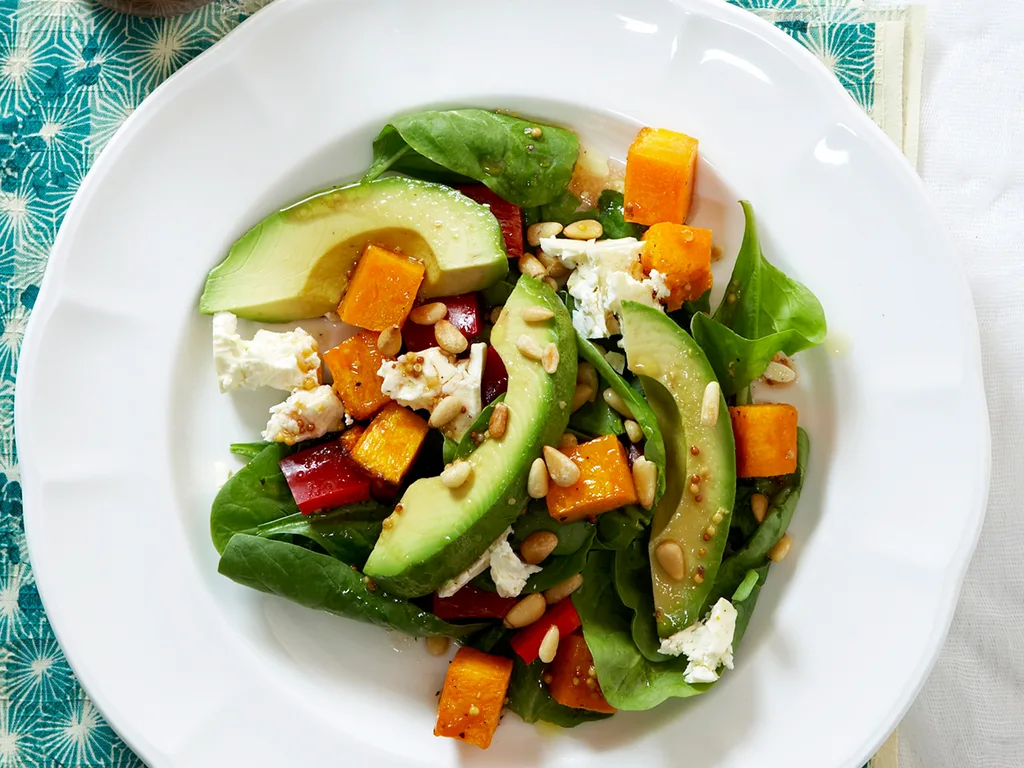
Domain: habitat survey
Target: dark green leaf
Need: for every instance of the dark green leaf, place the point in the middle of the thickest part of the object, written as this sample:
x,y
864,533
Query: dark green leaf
x,y
565,209
496,294
616,529
633,584
320,582
683,317
467,444
596,419
529,698
571,536
612,217
347,533
496,150
745,607
248,450
489,638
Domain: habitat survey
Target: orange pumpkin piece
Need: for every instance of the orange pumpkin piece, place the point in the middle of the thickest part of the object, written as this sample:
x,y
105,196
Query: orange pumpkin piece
x,y
472,697
660,170
765,439
683,255
382,290
605,483
354,364
573,678
391,443
350,437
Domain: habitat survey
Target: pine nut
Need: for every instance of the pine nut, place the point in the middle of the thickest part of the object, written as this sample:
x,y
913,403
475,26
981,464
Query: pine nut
x,y
549,645
526,611
498,422
389,343
437,645
567,443
633,431
537,482
586,374
542,229
759,506
645,478
428,314
530,267
445,411
456,474
554,267
585,229
561,468
537,546
779,373
529,347
710,405
581,396
779,551
616,402
495,314
671,559
536,314
551,283
549,358
564,589
450,338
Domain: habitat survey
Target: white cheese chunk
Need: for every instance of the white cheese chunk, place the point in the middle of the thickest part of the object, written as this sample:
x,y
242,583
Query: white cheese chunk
x,y
707,644
508,572
306,414
287,361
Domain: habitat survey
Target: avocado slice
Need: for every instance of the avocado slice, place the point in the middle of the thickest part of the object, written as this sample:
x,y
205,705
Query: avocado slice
x,y
435,532
675,374
296,263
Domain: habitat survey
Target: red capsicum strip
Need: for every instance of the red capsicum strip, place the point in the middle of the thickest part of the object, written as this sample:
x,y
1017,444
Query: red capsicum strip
x,y
324,477
509,216
472,603
526,642
495,378
463,313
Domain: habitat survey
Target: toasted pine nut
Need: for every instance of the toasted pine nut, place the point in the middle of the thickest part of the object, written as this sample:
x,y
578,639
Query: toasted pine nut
x,y
498,422
633,431
549,358
759,506
564,589
779,373
581,396
536,314
495,314
567,442
612,398
671,559
530,267
542,229
710,405
549,645
779,551
526,611
537,481
445,411
428,314
554,267
456,474
389,343
586,374
529,347
450,338
563,470
645,478
537,546
437,645
585,229
551,283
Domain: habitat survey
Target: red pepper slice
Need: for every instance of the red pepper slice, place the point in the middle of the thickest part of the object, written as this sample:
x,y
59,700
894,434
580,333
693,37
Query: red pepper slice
x,y
509,216
472,603
526,642
463,313
324,477
495,379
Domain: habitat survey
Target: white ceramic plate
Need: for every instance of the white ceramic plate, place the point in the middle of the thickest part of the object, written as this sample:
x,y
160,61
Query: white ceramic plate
x,y
119,421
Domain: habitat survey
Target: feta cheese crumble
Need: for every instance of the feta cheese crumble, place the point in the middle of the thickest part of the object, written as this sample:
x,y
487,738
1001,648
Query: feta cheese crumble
x,y
508,572
307,413
707,644
605,273
285,361
420,380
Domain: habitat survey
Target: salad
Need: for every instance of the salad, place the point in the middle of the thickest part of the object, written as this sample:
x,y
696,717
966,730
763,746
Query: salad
x,y
541,441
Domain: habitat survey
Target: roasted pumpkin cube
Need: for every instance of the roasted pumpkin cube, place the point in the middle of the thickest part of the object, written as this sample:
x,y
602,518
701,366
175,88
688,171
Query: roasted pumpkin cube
x,y
391,443
354,364
350,437
472,697
766,438
573,679
382,289
683,255
661,167
605,483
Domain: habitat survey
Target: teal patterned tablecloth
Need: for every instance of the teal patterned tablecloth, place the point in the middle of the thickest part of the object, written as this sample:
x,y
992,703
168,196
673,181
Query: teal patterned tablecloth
x,y
70,74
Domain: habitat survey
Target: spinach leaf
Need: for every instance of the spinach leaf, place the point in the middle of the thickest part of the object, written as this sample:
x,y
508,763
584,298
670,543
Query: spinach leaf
x,y
738,361
248,450
571,536
613,219
565,209
496,150
490,638
760,300
348,533
596,419
654,447
683,317
628,680
529,698
496,294
466,444
633,584
744,604
616,529
255,494
746,587
325,584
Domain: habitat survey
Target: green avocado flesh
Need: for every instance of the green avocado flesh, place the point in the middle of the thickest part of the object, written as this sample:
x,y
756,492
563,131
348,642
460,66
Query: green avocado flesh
x,y
296,263
675,373
438,532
